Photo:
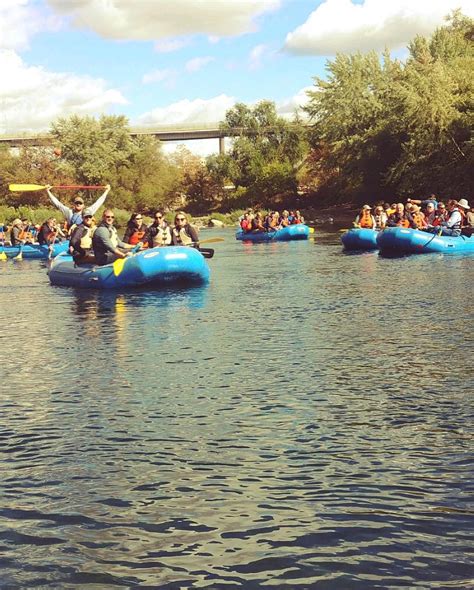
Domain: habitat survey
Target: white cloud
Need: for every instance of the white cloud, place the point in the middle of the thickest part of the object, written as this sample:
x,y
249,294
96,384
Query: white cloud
x,y
170,45
31,97
256,55
197,63
19,21
343,26
287,107
166,75
189,112
152,19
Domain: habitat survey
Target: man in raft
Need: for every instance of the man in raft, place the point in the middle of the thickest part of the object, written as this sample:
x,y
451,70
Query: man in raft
x,y
73,215
105,242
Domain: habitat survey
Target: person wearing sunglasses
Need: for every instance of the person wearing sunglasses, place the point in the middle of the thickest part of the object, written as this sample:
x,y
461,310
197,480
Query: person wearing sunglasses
x,y
73,215
105,242
158,233
136,229
183,233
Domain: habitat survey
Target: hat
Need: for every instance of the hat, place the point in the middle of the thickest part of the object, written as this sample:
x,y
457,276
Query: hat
x,y
16,221
87,213
463,203
366,207
78,200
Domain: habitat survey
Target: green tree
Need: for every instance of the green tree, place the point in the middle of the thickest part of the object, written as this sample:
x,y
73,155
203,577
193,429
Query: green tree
x,y
265,154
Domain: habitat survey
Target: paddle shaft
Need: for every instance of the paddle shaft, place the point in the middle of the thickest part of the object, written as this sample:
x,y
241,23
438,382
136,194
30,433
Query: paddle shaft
x,y
39,187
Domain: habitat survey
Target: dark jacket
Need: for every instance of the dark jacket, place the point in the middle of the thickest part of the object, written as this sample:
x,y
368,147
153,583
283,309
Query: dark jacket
x,y
75,241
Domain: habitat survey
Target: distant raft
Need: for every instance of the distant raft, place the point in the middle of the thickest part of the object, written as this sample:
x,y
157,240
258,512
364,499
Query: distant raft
x,y
155,267
35,250
400,240
360,238
298,231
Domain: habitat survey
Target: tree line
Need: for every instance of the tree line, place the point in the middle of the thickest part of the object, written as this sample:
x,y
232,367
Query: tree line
x,y
373,128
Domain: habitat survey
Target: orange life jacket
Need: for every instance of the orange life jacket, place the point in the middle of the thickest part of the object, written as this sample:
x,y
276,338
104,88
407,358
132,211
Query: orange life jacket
x,y
419,219
136,237
366,220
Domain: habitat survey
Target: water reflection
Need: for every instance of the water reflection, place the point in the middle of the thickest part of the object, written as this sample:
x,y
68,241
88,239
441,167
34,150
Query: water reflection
x,y
303,421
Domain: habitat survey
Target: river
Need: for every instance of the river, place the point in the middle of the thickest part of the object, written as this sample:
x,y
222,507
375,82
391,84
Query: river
x,y
303,421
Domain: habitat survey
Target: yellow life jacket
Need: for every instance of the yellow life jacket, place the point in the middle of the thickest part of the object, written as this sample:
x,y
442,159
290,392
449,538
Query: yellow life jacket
x,y
86,240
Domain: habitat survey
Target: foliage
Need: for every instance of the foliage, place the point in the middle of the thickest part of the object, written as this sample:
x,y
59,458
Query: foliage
x,y
380,127
265,153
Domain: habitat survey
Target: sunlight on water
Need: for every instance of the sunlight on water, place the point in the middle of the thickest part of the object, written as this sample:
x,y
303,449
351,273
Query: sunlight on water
x,y
303,421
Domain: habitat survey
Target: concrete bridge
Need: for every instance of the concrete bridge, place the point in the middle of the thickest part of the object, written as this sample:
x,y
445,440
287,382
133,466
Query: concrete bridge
x,y
163,133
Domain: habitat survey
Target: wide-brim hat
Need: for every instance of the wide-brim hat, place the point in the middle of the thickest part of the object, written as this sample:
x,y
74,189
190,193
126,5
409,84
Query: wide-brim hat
x,y
463,203
367,207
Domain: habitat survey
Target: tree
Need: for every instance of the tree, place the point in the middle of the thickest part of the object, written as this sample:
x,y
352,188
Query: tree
x,y
265,154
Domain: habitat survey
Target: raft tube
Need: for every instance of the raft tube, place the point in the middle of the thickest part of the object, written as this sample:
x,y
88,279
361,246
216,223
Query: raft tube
x,y
299,231
360,238
400,240
35,250
154,267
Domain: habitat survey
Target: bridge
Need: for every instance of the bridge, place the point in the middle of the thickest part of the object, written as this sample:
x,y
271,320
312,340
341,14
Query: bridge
x,y
163,133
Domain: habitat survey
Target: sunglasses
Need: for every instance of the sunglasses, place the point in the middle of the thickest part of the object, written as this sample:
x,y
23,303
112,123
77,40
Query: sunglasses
x,y
78,203
138,218
181,219
158,216
110,217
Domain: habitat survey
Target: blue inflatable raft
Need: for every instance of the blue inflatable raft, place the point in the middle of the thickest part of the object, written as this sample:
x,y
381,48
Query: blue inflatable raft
x,y
34,250
400,240
298,231
154,267
360,238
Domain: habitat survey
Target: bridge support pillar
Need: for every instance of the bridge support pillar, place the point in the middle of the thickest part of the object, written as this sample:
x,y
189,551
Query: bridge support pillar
x,y
221,146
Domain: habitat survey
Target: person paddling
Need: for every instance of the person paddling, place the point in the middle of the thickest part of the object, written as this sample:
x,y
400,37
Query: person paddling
x,y
73,215
183,233
105,242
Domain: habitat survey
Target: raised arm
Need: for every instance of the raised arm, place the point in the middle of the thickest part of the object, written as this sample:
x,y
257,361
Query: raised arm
x,y
65,210
100,201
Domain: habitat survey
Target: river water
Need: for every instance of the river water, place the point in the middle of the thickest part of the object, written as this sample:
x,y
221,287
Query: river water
x,y
304,421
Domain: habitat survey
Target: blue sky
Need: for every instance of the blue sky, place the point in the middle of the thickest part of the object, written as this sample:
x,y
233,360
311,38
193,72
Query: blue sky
x,y
165,62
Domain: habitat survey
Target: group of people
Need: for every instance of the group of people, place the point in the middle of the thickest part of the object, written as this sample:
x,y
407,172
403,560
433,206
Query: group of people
x,y
22,232
251,222
99,243
454,218
102,245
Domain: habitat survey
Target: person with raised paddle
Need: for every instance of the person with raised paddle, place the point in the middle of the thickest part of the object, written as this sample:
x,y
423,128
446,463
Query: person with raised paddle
x,y
158,233
73,215
183,233
105,241
80,244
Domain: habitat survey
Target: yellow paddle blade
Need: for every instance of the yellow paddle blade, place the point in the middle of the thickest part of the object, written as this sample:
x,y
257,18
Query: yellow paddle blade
x,y
19,256
18,188
118,266
3,256
311,230
211,240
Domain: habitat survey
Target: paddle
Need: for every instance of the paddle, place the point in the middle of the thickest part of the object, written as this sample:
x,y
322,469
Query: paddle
x,y
17,188
210,241
3,255
19,256
120,262
207,252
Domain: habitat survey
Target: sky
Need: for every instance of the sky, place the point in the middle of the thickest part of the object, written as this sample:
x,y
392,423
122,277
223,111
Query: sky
x,y
185,62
